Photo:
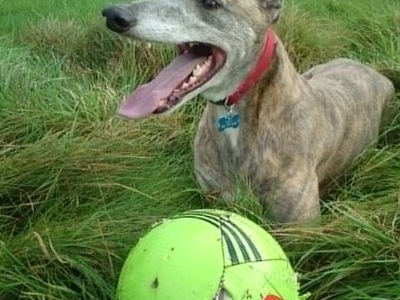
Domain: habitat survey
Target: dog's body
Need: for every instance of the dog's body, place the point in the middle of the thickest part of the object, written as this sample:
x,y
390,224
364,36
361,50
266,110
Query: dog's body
x,y
297,135
297,132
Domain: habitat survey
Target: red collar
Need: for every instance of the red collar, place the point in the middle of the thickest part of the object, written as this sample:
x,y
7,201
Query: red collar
x,y
262,65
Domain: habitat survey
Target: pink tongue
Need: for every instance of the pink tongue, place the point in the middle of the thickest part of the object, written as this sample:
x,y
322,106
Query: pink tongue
x,y
144,100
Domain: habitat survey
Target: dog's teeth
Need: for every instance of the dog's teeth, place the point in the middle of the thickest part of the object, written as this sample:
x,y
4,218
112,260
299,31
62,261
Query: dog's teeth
x,y
197,71
185,85
162,103
207,64
192,79
202,69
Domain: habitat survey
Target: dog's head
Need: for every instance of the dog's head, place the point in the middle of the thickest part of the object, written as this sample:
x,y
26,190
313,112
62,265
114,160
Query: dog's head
x,y
218,42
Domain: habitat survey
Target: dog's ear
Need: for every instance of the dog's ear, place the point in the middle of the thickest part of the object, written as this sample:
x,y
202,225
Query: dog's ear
x,y
273,9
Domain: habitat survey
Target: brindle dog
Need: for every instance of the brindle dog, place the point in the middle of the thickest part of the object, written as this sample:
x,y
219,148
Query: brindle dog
x,y
289,134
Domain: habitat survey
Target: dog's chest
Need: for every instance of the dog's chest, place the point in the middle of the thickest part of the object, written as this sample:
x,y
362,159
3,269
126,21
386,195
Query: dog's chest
x,y
235,152
228,125
229,152
231,136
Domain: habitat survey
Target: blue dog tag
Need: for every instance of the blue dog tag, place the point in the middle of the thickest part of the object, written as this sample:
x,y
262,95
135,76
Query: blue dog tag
x,y
231,120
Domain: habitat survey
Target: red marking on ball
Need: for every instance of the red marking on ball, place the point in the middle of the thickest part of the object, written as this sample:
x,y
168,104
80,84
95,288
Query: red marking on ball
x,y
272,297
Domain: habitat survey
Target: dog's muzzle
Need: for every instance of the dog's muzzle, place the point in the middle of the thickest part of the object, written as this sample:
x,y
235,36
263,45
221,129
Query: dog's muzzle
x,y
118,19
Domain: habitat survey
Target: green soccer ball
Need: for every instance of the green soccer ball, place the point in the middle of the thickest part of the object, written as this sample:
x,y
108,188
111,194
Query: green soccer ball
x,y
207,255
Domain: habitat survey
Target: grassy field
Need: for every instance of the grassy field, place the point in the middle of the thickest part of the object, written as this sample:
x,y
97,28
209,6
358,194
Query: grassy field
x,y
79,186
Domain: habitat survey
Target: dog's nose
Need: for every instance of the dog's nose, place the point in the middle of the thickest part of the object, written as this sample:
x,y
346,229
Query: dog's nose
x,y
118,19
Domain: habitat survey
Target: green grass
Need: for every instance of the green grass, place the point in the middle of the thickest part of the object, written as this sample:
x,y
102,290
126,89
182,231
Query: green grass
x,y
78,186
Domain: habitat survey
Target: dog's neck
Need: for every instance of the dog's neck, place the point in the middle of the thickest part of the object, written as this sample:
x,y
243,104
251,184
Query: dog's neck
x,y
278,88
264,61
279,84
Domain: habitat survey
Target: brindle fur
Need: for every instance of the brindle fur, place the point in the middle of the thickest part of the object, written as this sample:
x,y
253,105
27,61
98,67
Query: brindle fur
x,y
298,132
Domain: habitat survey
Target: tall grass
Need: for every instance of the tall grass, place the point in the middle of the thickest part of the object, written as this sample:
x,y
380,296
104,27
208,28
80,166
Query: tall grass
x,y
78,186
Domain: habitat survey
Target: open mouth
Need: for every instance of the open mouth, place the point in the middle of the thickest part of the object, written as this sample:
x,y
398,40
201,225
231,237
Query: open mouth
x,y
195,64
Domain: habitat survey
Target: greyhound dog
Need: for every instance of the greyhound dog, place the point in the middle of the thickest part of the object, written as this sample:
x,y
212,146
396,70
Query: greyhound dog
x,y
288,135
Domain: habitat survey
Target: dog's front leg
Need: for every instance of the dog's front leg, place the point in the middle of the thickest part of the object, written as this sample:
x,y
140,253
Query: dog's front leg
x,y
213,181
293,196
212,165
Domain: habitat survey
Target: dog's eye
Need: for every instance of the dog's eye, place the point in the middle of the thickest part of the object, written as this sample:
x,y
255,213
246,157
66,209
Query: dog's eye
x,y
210,4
